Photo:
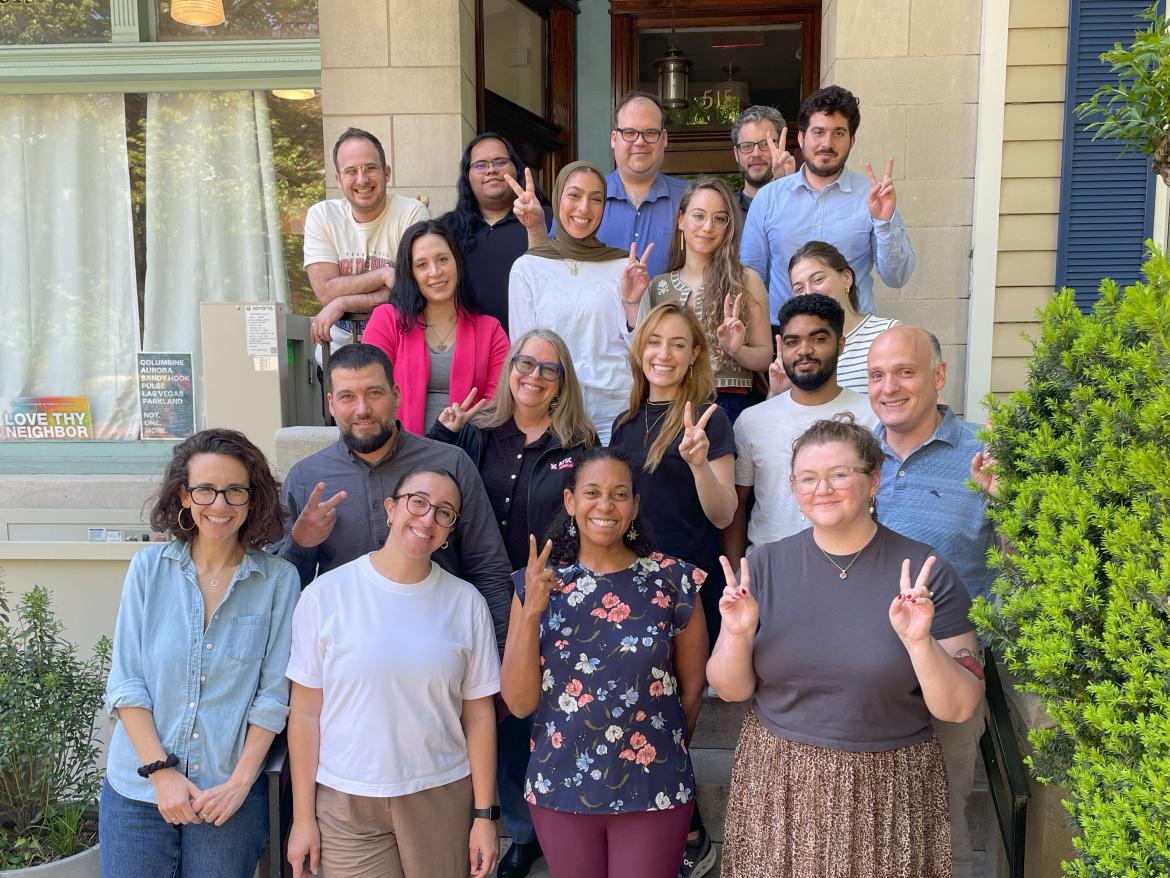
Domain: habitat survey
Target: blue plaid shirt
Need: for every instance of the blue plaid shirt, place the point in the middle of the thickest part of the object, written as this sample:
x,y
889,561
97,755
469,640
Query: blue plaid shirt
x,y
926,497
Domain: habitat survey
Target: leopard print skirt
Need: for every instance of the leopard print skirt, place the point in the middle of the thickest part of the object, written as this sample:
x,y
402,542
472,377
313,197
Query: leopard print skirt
x,y
798,811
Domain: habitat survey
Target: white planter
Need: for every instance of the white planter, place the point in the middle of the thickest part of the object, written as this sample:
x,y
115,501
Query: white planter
x,y
86,864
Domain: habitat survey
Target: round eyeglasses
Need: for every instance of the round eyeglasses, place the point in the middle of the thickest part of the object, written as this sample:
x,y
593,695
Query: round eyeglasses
x,y
204,495
720,219
838,479
418,505
525,365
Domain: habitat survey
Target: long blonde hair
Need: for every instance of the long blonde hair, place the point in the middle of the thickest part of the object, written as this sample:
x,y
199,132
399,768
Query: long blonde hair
x,y
724,275
570,424
698,386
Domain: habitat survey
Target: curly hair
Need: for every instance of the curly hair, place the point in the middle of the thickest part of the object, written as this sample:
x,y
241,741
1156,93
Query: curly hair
x,y
406,297
566,546
833,100
815,305
266,515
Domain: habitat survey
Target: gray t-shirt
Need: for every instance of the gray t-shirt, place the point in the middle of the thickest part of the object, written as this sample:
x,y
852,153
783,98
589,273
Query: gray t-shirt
x,y
438,385
830,670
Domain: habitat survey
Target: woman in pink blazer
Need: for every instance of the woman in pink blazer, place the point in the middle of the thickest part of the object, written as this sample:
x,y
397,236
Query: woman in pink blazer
x,y
441,349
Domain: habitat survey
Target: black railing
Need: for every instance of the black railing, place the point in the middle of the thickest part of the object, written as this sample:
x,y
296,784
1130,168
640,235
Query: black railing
x,y
274,863
1007,778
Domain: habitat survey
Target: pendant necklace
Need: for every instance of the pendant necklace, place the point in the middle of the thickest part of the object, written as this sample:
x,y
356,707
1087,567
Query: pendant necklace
x,y
441,346
844,571
657,421
574,266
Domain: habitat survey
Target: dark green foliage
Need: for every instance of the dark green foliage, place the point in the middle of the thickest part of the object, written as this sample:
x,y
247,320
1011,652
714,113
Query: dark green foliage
x,y
48,751
1085,618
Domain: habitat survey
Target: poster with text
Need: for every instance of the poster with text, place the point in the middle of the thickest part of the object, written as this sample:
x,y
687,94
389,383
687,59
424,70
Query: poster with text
x,y
166,396
52,418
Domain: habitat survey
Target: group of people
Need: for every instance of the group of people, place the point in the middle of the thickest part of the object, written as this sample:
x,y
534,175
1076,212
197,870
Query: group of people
x,y
562,420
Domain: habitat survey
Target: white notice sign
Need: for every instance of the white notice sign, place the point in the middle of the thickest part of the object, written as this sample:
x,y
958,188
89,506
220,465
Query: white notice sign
x,y
260,321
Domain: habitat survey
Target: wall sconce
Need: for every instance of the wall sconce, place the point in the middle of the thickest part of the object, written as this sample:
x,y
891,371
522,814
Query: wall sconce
x,y
198,13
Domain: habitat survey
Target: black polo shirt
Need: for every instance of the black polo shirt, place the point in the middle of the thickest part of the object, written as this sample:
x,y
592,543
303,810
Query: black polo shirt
x,y
489,260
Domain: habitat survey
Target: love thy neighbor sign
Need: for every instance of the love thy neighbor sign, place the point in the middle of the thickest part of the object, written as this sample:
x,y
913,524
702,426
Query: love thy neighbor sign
x,y
47,418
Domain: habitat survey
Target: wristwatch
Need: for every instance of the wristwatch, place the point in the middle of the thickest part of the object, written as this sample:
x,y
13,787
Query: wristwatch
x,y
492,813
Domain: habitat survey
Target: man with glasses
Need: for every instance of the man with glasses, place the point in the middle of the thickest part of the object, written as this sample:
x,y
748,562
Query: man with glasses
x,y
485,225
811,338
757,142
641,204
350,242
335,498
856,213
930,455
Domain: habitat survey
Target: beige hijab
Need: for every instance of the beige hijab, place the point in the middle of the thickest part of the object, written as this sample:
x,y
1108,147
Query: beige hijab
x,y
564,245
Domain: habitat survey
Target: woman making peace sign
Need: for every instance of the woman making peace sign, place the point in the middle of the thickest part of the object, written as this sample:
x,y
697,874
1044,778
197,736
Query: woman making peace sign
x,y
838,771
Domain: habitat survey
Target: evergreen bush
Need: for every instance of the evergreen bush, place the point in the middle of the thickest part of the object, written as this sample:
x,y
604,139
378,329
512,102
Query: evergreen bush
x,y
1084,589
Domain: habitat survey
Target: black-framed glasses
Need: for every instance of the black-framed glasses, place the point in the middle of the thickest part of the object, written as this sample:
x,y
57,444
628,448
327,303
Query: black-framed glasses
x,y
482,165
839,478
650,135
525,365
204,495
418,505
747,147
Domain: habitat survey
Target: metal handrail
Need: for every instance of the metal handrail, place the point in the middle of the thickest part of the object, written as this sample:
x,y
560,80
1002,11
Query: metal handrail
x,y
1007,777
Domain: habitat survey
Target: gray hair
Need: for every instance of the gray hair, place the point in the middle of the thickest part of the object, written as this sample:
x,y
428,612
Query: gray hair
x,y
757,113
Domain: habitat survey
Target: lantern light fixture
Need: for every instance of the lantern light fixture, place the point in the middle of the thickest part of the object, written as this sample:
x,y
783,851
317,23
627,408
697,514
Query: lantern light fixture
x,y
673,68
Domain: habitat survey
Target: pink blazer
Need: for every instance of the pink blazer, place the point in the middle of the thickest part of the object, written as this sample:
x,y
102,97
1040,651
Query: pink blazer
x,y
480,350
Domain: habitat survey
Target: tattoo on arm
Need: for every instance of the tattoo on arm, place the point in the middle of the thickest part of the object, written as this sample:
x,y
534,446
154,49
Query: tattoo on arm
x,y
971,660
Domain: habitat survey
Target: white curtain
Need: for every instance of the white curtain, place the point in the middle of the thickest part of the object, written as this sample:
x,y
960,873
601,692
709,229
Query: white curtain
x,y
68,297
212,224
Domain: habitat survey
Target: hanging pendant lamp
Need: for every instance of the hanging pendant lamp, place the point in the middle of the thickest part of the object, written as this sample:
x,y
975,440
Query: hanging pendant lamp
x,y
198,13
672,72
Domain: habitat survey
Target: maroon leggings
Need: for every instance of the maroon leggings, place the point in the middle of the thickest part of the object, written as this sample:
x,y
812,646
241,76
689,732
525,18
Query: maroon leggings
x,y
642,844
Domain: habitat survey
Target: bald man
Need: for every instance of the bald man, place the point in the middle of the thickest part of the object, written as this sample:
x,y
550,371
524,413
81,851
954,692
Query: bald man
x,y
930,454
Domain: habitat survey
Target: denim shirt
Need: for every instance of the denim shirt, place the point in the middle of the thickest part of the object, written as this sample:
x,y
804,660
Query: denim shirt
x,y
204,687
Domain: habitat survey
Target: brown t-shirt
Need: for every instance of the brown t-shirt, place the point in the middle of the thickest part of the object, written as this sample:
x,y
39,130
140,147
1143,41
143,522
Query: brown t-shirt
x,y
830,670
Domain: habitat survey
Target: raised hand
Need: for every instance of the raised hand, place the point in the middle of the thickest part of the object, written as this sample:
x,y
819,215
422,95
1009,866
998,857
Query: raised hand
x,y
783,162
539,580
526,206
635,279
454,416
778,381
732,331
695,444
912,610
882,199
740,612
317,519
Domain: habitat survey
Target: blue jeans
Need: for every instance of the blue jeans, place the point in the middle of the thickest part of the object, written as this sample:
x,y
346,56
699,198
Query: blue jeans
x,y
512,741
137,843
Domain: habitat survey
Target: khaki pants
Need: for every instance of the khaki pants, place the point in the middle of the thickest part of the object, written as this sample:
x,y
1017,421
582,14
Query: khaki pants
x,y
420,835
960,744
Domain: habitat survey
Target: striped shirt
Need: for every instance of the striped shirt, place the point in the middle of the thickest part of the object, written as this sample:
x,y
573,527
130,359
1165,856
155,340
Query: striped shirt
x,y
852,368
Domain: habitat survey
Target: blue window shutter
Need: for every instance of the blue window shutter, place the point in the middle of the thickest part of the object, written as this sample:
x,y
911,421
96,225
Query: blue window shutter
x,y
1106,199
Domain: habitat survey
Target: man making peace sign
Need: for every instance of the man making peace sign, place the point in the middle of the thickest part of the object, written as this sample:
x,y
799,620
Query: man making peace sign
x,y
826,202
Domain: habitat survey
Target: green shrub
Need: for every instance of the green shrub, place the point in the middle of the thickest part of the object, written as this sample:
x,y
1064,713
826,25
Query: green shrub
x,y
48,746
1084,623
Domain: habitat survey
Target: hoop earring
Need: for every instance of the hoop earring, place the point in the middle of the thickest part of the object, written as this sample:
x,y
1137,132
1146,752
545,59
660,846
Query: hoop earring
x,y
572,528
632,533
445,544
179,518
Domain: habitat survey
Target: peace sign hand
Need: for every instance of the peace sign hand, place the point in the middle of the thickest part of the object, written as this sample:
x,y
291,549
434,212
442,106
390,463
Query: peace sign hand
x,y
317,520
635,278
783,162
882,199
454,416
778,381
695,444
912,610
539,580
732,332
527,205
740,612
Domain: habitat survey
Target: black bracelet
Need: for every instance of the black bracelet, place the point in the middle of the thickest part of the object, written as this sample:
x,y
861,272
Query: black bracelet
x,y
150,768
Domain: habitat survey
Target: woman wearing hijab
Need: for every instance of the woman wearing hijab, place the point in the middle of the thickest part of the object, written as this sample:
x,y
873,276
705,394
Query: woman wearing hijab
x,y
589,294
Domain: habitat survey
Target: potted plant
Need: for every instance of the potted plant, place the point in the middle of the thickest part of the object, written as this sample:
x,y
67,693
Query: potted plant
x,y
49,776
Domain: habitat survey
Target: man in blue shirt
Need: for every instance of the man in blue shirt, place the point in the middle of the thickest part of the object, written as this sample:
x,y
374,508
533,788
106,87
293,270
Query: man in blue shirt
x,y
930,454
826,202
641,204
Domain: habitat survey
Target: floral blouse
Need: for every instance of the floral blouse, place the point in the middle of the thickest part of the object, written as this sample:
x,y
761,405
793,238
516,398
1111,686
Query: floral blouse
x,y
609,735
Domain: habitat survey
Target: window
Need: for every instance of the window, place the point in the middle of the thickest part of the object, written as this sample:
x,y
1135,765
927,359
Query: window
x,y
43,22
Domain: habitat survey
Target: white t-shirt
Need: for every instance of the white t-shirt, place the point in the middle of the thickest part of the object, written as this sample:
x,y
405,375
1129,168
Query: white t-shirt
x,y
332,235
585,309
396,662
852,365
764,435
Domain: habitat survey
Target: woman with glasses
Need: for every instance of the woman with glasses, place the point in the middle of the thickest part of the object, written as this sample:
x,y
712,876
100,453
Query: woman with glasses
x,y
392,734
818,267
197,688
589,294
440,347
705,275
847,638
524,444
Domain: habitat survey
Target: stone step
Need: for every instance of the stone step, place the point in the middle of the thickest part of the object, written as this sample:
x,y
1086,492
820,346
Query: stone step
x,y
719,723
713,779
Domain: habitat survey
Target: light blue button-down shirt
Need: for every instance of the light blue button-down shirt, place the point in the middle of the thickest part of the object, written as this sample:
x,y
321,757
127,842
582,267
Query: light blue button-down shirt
x,y
926,497
204,687
654,221
788,213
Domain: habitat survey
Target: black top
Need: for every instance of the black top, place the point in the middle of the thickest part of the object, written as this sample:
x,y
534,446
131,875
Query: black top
x,y
669,500
489,256
744,203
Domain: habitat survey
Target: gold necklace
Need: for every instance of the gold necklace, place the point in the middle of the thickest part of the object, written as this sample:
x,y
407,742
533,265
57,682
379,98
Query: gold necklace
x,y
844,571
657,421
441,344
574,266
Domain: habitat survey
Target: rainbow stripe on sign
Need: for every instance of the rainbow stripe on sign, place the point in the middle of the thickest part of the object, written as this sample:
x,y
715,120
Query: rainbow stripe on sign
x,y
51,418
